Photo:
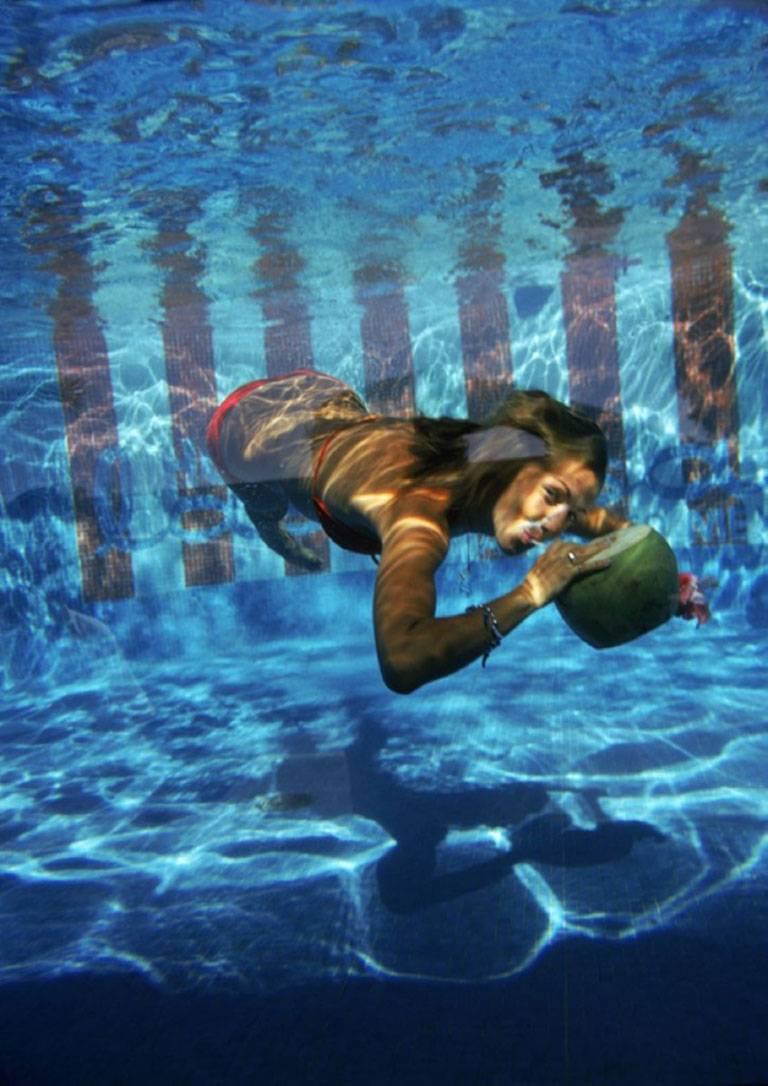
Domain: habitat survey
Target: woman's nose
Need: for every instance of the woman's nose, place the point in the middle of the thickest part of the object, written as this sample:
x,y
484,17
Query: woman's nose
x,y
554,522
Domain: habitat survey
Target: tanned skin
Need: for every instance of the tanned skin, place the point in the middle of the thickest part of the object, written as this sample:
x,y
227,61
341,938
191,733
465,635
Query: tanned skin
x,y
363,481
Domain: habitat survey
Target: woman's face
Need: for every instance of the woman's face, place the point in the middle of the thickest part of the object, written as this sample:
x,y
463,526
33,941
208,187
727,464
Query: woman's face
x,y
539,504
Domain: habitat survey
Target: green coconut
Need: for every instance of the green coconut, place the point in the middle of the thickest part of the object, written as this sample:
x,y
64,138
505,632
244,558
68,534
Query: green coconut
x,y
635,594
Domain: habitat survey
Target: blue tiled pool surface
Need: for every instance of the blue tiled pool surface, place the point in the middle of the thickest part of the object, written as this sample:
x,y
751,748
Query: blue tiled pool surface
x,y
227,851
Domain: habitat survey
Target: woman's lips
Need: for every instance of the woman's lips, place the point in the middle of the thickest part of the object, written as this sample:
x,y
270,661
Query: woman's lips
x,y
531,536
522,539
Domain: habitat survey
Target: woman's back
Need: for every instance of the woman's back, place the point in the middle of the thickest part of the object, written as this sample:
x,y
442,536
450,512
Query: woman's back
x,y
307,438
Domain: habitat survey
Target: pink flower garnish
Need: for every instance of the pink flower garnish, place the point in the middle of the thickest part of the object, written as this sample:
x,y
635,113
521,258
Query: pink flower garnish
x,y
692,603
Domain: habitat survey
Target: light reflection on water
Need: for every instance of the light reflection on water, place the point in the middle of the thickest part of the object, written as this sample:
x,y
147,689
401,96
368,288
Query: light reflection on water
x,y
240,813
217,790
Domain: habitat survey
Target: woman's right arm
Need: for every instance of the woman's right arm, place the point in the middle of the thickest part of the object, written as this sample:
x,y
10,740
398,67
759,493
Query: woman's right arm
x,y
414,647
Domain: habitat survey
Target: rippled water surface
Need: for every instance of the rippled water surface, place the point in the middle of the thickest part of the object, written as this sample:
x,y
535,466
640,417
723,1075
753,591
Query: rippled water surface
x,y
203,781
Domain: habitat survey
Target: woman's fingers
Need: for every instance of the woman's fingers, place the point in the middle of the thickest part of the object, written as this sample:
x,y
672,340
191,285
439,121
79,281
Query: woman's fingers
x,y
558,566
588,557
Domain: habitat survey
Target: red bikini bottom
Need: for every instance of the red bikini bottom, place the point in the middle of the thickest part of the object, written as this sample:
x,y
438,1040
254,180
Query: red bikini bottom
x,y
350,539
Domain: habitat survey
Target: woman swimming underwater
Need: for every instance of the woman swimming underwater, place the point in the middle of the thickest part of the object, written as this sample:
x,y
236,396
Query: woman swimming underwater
x,y
403,488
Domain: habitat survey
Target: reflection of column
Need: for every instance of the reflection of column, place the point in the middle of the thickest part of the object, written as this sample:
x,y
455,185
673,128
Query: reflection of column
x,y
484,322
705,361
589,309
287,335
101,506
588,287
483,312
386,336
189,368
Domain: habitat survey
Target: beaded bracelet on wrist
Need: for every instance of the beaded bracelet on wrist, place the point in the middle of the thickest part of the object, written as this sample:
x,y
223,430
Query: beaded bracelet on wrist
x,y
491,628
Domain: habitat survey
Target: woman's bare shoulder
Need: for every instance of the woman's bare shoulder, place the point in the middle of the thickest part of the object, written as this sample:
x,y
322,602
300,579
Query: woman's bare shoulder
x,y
417,518
371,473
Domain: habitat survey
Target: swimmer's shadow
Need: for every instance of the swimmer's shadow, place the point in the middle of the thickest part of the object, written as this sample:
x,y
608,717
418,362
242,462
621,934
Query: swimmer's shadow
x,y
406,874
416,872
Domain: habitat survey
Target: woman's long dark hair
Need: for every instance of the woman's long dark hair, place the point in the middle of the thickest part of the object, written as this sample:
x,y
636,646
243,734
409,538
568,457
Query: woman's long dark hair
x,y
440,445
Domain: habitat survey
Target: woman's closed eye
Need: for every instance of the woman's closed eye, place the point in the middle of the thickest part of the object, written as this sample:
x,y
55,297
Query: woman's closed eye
x,y
554,495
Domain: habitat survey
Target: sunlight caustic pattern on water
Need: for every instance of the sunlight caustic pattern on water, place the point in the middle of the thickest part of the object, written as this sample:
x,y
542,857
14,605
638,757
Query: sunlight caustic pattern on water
x,y
203,777
211,837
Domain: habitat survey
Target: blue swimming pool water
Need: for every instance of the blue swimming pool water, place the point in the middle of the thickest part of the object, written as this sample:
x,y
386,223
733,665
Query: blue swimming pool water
x,y
204,784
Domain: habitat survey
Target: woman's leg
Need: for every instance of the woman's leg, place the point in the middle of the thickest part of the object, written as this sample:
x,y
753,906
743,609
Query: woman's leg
x,y
266,504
